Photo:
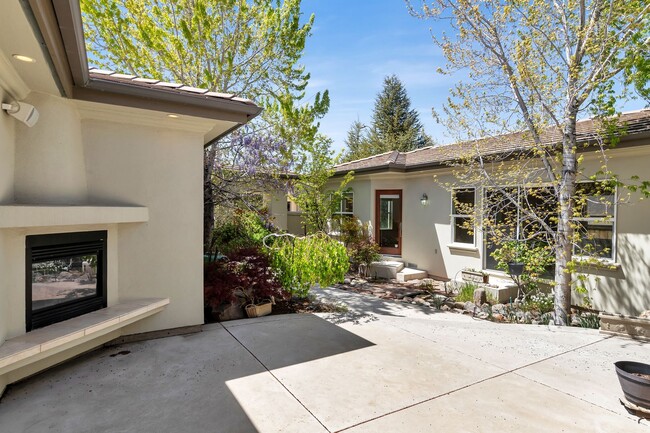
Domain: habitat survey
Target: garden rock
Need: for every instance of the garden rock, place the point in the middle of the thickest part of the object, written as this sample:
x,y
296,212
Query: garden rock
x,y
482,315
445,308
499,308
498,317
469,306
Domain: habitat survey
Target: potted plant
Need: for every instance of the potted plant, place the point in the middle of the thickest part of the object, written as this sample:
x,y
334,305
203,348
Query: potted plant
x,y
474,276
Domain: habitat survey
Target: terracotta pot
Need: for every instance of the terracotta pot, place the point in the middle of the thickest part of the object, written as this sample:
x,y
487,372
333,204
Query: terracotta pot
x,y
635,388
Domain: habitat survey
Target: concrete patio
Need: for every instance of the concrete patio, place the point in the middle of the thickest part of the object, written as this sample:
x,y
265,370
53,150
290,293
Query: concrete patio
x,y
379,367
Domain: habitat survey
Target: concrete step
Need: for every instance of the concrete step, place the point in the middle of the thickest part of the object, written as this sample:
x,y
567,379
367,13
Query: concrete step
x,y
387,269
408,274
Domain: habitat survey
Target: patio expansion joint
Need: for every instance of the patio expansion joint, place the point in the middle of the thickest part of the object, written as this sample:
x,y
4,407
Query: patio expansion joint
x,y
276,379
496,376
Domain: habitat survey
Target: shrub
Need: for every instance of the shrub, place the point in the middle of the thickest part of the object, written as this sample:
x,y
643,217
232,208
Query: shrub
x,y
536,260
246,230
246,272
358,240
301,262
542,302
466,292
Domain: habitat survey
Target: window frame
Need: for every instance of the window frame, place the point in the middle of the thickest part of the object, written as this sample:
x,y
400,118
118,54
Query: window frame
x,y
341,210
601,221
455,215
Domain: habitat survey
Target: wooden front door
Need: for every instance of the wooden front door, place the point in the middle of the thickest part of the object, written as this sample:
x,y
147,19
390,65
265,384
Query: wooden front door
x,y
388,220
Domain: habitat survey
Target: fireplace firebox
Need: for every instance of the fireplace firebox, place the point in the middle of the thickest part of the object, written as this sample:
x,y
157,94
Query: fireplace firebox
x,y
65,276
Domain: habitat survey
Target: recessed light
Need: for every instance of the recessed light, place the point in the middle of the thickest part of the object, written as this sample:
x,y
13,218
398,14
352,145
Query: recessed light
x,y
173,116
22,58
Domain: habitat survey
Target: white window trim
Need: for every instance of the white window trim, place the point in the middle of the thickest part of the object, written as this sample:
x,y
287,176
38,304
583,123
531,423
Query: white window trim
x,y
454,216
341,211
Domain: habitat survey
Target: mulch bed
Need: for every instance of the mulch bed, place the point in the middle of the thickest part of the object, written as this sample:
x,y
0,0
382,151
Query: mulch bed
x,y
301,305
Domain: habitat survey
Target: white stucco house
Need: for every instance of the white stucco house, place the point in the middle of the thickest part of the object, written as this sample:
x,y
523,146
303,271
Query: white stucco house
x,y
407,199
101,193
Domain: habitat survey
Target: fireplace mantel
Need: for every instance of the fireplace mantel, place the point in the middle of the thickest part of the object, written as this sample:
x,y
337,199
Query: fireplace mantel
x,y
26,216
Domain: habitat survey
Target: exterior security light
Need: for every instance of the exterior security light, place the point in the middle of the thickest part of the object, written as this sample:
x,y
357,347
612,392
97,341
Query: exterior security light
x,y
22,111
424,200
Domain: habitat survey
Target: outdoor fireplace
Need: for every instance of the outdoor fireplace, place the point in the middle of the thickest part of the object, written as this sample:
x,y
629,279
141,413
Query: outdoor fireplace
x,y
65,276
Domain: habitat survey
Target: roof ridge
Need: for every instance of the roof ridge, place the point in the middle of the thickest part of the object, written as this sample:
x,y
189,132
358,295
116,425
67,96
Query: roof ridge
x,y
365,158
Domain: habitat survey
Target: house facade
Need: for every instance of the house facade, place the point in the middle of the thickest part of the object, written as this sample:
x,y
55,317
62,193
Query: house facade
x,y
407,197
101,193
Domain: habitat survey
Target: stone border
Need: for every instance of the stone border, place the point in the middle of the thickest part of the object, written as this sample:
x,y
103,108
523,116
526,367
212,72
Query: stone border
x,y
626,326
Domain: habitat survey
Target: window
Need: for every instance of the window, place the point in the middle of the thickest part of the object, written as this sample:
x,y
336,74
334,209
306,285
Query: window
x,y
521,213
462,209
346,206
594,225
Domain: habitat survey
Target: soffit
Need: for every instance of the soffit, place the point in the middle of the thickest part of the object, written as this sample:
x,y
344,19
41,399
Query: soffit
x,y
17,37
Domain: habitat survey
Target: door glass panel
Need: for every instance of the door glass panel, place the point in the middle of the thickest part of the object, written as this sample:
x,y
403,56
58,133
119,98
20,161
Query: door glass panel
x,y
389,221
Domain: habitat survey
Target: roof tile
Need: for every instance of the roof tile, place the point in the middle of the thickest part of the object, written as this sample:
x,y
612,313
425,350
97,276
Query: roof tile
x,y
636,122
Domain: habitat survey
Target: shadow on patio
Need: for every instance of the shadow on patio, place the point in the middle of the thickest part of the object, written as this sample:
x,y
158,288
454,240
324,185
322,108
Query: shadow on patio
x,y
180,383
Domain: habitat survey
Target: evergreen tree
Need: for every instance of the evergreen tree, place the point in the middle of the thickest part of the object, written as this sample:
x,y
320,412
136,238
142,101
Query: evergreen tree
x,y
395,125
357,142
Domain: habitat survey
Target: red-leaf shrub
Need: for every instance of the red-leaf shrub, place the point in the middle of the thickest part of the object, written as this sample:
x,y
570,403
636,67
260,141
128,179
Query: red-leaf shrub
x,y
246,270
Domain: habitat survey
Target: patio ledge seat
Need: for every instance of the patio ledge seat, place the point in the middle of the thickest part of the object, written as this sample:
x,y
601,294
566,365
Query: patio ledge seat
x,y
47,341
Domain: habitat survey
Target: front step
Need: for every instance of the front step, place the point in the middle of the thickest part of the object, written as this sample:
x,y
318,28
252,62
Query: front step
x,y
409,274
386,269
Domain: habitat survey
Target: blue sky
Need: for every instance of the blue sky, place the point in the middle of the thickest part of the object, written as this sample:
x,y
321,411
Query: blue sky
x,y
355,44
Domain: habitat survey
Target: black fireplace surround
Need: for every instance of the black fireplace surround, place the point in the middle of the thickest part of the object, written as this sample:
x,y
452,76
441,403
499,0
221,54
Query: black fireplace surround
x,y
65,276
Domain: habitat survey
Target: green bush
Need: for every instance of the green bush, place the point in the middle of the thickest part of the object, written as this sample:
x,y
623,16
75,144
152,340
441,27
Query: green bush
x,y
246,230
542,302
536,260
301,262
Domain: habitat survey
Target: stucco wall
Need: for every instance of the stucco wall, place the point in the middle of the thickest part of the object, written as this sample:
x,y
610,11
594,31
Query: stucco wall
x,y
49,156
161,169
427,235
7,146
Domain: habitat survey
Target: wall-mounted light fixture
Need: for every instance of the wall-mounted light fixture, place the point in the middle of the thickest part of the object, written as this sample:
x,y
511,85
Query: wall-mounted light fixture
x,y
424,200
22,111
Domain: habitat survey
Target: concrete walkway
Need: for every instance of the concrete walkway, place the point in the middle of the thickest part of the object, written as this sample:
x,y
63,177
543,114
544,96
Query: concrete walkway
x,y
379,367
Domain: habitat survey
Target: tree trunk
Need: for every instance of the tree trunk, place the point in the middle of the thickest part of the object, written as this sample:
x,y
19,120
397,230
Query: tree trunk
x,y
208,197
564,241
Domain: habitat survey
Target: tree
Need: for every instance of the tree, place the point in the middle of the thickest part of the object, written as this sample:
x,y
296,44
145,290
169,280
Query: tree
x,y
535,65
310,192
250,48
395,125
356,142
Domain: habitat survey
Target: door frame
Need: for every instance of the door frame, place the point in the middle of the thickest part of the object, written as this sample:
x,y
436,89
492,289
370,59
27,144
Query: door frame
x,y
388,250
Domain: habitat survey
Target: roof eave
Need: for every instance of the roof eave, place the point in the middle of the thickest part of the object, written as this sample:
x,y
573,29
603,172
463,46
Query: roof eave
x,y
60,26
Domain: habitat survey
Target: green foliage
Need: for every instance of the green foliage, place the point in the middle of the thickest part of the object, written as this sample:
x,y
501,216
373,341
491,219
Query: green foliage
x,y
246,230
301,262
532,69
249,48
358,240
395,125
310,191
466,292
536,260
589,320
541,302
